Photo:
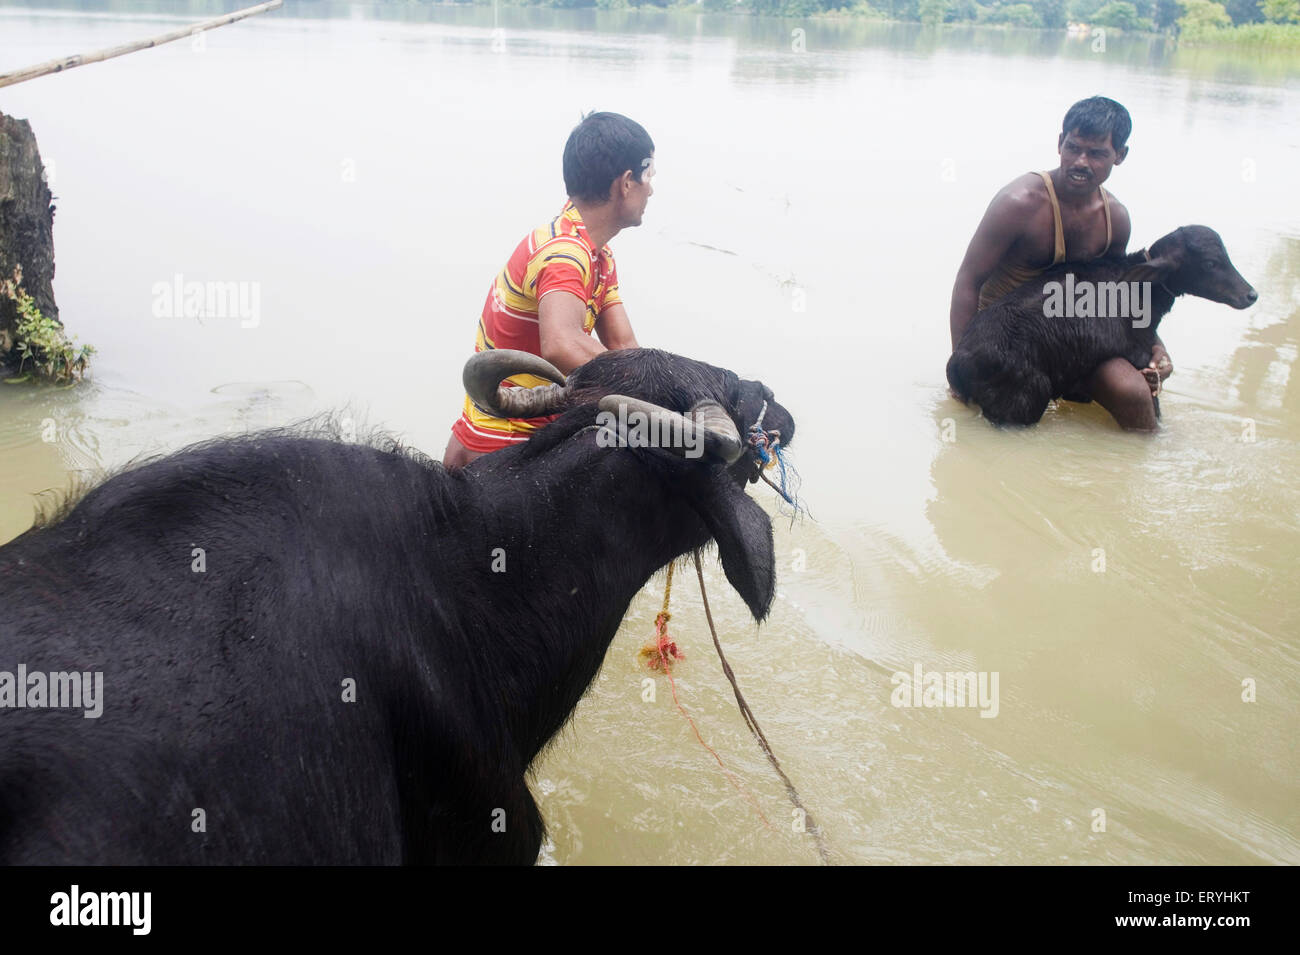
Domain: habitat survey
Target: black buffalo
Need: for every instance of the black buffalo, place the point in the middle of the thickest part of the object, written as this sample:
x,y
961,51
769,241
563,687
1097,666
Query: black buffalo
x,y
469,610
1015,356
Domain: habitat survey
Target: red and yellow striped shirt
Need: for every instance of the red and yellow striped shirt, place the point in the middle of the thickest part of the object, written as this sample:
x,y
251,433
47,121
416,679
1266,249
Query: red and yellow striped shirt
x,y
555,257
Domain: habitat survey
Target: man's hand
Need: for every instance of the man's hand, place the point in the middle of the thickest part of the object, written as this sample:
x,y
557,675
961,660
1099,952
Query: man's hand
x,y
1159,369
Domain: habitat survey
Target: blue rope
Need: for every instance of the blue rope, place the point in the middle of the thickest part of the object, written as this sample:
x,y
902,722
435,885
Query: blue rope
x,y
779,453
767,451
769,448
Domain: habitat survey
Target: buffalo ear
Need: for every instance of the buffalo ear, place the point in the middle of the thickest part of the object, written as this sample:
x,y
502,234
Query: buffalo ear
x,y
1159,265
744,536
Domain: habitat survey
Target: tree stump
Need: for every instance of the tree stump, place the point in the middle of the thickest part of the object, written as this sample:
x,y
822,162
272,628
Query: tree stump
x,y
26,228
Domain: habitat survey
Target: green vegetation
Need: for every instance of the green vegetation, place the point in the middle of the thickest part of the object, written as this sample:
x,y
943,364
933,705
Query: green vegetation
x,y
1266,23
41,340
1206,23
1120,16
1281,11
1272,35
1201,15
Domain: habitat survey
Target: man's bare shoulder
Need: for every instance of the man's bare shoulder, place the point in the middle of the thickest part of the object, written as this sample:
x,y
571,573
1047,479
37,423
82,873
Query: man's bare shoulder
x,y
1024,194
1121,224
1018,208
1117,208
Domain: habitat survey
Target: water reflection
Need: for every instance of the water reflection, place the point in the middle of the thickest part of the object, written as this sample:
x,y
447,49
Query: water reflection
x,y
1262,367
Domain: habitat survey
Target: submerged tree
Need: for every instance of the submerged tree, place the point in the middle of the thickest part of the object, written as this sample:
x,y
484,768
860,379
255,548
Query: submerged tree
x,y
26,240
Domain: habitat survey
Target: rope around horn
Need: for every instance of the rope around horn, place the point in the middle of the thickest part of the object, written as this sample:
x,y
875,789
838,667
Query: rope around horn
x,y
752,723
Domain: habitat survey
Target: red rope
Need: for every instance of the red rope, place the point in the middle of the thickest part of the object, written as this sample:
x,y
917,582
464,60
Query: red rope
x,y
666,653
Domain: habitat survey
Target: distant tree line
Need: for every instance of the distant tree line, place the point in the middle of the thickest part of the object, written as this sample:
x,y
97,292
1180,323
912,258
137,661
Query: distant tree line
x,y
1194,16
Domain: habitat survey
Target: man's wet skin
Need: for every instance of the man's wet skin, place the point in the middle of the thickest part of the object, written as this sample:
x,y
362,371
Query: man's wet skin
x,y
1086,163
1024,209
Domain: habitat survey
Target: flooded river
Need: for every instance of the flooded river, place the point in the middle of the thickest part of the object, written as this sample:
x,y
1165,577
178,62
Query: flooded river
x,y
367,170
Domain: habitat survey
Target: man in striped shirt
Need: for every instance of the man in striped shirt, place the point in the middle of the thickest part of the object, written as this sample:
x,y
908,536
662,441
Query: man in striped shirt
x,y
560,284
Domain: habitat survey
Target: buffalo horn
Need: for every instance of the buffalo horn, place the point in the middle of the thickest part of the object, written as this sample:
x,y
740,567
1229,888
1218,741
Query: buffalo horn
x,y
721,439
485,371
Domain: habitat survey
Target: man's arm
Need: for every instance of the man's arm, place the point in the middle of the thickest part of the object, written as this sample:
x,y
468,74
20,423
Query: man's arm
x,y
615,329
564,344
993,239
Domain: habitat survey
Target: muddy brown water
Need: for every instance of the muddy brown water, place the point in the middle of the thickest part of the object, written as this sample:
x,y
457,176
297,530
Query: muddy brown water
x,y
366,172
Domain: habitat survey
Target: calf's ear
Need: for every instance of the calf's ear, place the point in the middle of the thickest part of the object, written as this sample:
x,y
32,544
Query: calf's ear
x,y
1163,259
744,536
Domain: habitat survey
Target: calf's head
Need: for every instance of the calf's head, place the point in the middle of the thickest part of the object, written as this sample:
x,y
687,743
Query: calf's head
x,y
1192,261
707,414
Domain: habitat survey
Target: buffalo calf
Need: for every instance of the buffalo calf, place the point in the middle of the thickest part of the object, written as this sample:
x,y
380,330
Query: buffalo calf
x,y
1045,339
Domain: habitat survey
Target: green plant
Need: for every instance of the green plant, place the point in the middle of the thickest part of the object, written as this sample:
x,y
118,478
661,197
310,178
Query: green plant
x,y
1014,14
932,11
42,340
1278,37
1200,15
1281,11
1120,15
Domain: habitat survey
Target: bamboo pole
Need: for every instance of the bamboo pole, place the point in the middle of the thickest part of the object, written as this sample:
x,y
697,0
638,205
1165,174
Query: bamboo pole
x,y
68,62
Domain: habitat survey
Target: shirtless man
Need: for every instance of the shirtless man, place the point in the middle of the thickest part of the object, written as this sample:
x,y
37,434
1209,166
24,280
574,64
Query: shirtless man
x,y
1042,219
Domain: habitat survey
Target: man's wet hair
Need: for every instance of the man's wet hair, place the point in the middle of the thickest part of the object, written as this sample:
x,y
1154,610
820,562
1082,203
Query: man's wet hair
x,y
1099,116
600,149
